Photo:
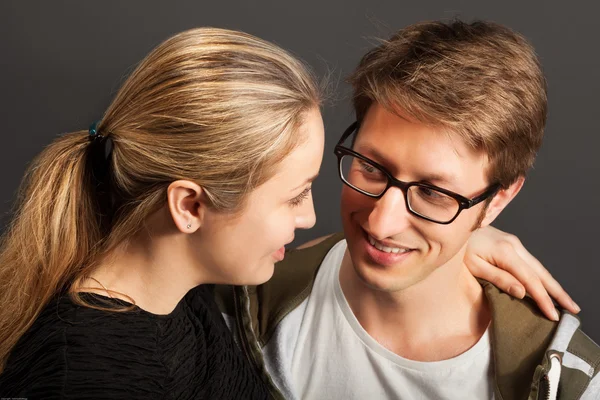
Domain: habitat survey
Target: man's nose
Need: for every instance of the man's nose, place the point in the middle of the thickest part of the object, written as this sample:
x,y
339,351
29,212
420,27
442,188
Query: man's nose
x,y
389,215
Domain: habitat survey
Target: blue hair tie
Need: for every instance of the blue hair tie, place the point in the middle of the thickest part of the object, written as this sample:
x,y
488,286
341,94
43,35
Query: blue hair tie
x,y
103,145
93,131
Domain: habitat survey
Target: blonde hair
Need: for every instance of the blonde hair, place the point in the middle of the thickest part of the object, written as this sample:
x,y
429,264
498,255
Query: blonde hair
x,y
480,80
219,107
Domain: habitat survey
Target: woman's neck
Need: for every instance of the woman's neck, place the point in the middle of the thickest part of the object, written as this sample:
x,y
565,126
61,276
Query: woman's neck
x,y
154,269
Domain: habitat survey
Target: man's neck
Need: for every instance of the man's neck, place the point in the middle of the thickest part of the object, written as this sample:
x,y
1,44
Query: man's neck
x,y
438,318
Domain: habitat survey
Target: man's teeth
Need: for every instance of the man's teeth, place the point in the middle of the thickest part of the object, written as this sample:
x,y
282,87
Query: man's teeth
x,y
386,249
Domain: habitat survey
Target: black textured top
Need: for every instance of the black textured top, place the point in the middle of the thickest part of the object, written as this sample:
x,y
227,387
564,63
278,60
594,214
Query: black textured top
x,y
75,352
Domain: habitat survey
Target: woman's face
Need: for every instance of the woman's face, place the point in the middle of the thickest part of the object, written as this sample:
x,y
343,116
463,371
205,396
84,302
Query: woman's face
x,y
243,249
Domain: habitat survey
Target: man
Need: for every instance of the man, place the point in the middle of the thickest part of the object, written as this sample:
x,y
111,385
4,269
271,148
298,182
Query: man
x,y
449,119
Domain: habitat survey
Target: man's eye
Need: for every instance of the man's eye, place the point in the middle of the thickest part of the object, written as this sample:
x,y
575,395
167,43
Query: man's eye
x,y
426,192
433,196
367,167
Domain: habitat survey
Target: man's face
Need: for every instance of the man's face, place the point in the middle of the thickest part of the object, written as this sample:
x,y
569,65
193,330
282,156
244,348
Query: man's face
x,y
375,228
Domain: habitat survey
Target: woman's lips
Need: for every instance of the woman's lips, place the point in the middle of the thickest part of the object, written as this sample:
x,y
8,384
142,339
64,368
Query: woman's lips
x,y
279,254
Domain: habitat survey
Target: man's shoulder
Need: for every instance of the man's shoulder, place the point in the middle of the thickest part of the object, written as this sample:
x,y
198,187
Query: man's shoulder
x,y
518,318
523,340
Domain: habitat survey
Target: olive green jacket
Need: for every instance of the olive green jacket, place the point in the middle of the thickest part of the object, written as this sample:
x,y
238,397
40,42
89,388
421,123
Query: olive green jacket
x,y
525,345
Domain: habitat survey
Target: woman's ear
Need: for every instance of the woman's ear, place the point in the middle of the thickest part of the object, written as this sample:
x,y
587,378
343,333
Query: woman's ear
x,y
187,205
501,200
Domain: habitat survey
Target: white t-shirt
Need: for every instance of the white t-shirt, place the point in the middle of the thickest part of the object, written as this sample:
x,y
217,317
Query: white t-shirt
x,y
335,358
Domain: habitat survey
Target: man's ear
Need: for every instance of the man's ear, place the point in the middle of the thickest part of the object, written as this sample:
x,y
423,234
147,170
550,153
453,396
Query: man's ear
x,y
501,200
187,205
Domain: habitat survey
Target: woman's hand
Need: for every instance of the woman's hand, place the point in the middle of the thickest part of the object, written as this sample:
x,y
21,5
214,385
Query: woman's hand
x,y
501,259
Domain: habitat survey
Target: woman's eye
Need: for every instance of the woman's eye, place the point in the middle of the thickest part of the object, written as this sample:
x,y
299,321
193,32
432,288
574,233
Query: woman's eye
x,y
298,200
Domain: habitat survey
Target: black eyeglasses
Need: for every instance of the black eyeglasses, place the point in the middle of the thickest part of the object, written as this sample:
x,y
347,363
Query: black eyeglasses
x,y
424,200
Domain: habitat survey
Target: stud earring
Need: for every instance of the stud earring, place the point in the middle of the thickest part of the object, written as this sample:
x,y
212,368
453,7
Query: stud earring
x,y
189,225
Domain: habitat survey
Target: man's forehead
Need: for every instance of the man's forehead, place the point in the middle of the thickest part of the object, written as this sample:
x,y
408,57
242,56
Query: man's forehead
x,y
442,160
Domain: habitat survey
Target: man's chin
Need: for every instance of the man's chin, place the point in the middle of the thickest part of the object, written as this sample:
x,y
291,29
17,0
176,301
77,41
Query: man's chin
x,y
382,279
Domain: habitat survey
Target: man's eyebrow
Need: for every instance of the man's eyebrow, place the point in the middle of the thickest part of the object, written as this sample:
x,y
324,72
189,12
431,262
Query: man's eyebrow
x,y
309,180
437,178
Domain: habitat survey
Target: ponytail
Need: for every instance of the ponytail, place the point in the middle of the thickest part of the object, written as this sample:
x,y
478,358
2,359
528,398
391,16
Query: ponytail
x,y
55,233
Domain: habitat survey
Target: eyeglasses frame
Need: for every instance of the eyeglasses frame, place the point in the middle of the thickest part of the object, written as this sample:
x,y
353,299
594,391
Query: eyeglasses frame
x,y
464,203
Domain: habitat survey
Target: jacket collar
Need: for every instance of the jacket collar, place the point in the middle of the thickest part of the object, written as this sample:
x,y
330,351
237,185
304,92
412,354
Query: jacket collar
x,y
520,336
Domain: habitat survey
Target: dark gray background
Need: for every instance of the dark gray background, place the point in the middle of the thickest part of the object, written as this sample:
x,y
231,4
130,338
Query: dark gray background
x,y
62,61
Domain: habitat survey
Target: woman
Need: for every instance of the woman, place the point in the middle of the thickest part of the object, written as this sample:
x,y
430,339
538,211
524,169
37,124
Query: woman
x,y
198,174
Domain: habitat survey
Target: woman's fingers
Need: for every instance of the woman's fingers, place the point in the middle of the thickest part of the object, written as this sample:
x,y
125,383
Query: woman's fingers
x,y
552,286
